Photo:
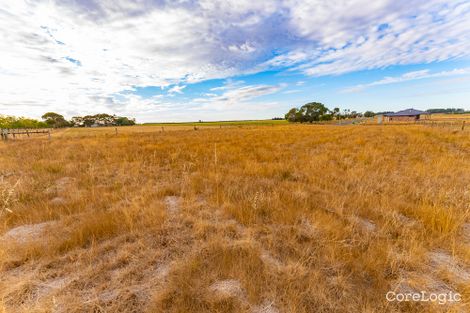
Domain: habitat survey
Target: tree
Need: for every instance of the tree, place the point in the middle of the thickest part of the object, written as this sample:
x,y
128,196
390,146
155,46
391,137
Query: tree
x,y
88,120
124,121
54,120
293,115
355,114
369,114
20,122
313,111
102,119
448,111
335,113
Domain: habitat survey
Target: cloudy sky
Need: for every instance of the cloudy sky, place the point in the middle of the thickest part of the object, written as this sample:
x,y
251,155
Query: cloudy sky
x,y
225,60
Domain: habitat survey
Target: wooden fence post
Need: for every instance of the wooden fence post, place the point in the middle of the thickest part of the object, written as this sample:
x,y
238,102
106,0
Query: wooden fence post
x,y
463,125
115,129
163,129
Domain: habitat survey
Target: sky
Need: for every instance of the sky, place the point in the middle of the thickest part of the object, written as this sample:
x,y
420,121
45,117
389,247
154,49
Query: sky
x,y
230,60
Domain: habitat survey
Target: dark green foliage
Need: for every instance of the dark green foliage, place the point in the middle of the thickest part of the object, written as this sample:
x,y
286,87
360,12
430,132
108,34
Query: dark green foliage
x,y
20,122
317,112
310,112
101,120
124,121
448,111
54,120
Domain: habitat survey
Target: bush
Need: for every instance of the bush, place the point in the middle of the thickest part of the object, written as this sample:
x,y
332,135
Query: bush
x,y
20,122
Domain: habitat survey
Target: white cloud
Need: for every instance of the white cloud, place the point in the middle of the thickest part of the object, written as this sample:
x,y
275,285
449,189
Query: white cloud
x,y
176,89
238,98
77,56
415,75
243,48
291,91
360,34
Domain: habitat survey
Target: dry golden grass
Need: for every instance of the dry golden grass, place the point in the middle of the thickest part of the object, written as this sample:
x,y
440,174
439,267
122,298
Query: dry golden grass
x,y
465,116
294,218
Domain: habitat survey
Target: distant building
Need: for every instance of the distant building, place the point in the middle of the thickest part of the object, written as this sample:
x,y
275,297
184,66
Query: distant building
x,y
406,115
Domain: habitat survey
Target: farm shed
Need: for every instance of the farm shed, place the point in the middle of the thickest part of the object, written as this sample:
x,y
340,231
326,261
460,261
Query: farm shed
x,y
407,115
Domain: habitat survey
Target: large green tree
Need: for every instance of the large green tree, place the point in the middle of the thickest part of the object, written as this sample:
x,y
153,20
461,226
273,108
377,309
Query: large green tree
x,y
54,120
294,115
311,112
314,112
124,121
20,122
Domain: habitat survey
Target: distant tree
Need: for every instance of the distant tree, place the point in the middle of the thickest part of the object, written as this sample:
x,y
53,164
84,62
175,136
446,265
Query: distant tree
x,y
369,114
124,121
313,111
293,115
101,120
88,120
336,113
20,122
355,114
310,112
54,120
448,111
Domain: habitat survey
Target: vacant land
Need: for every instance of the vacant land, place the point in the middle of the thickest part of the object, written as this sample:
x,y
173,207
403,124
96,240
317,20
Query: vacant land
x,y
289,218
441,116
224,123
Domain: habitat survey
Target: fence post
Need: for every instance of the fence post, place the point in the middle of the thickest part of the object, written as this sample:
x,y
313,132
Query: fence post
x,y
463,125
115,129
163,129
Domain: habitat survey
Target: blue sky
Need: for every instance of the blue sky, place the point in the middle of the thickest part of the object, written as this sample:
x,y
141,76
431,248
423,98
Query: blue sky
x,y
228,60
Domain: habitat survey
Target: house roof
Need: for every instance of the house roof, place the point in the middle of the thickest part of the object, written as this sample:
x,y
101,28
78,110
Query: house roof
x,y
407,112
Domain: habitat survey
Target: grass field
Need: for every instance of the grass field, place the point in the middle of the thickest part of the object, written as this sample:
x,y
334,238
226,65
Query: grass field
x,y
288,218
450,116
223,123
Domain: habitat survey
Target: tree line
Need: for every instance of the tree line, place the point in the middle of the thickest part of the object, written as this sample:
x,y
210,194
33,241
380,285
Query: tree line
x,y
448,111
20,122
55,120
316,112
